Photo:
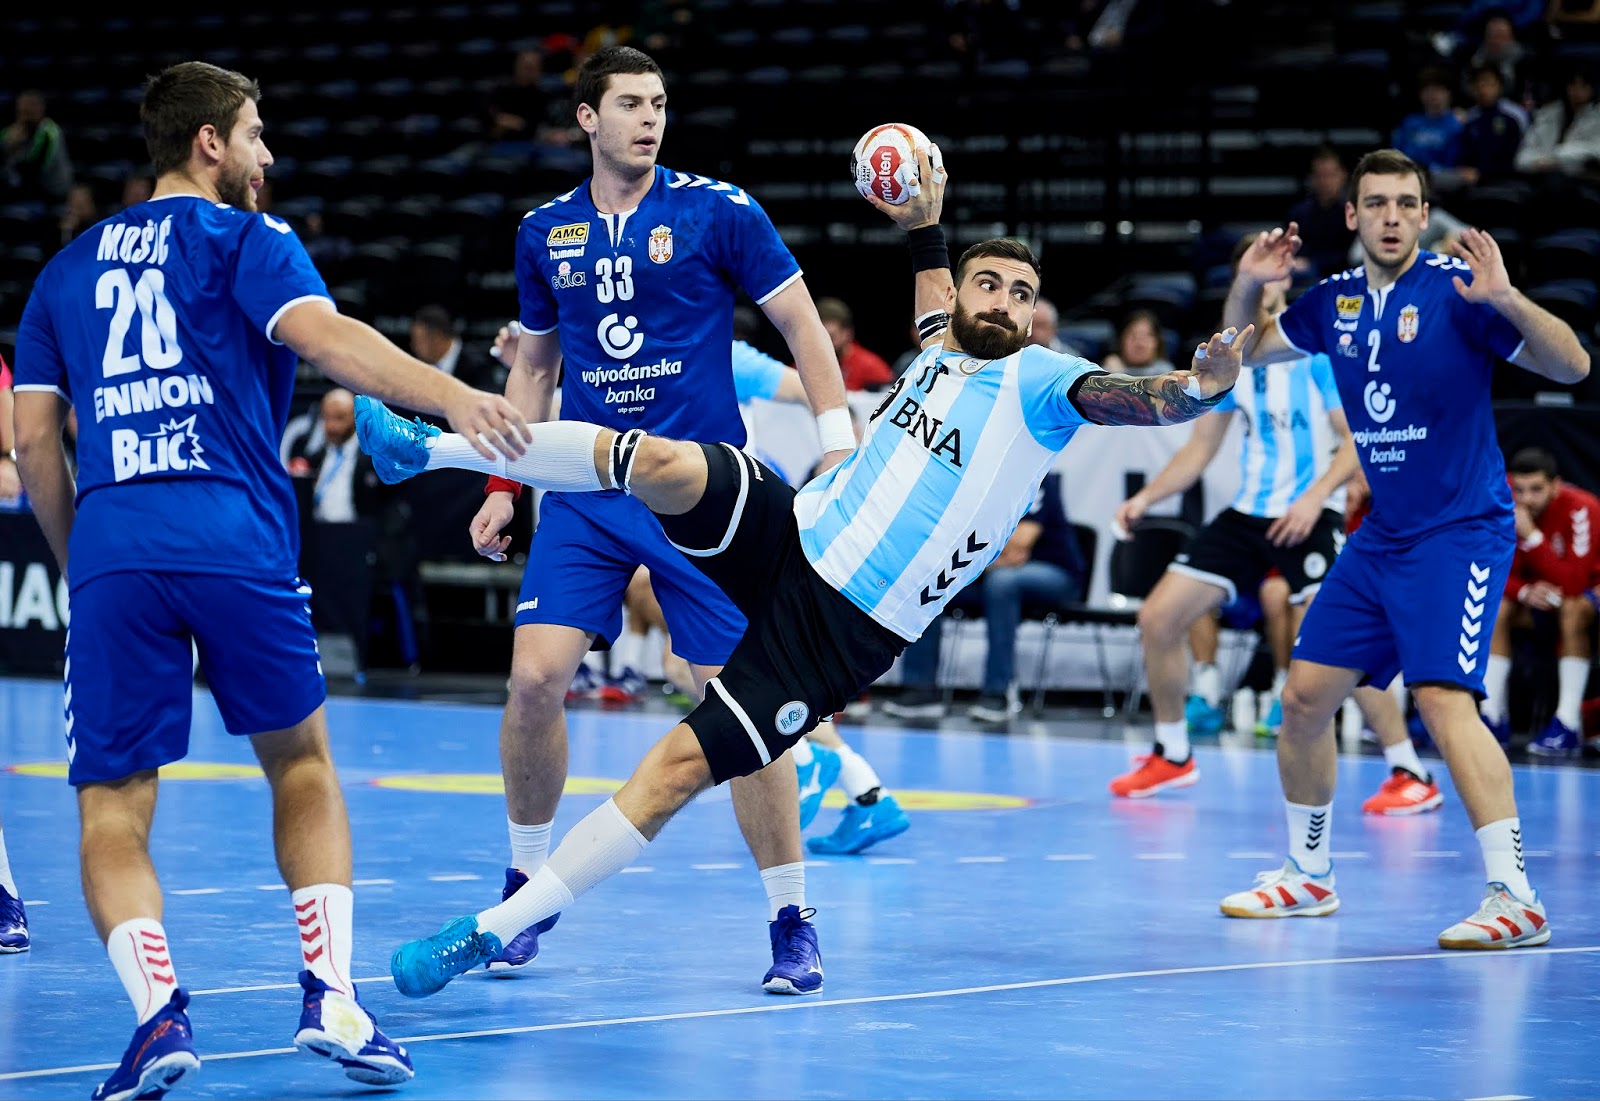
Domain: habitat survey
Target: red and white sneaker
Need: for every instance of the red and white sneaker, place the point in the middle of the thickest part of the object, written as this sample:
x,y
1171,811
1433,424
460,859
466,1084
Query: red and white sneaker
x,y
1404,792
1285,892
1153,773
1503,921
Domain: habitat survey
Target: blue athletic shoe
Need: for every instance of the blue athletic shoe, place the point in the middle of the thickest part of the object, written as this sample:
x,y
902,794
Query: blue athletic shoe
x,y
1500,728
398,447
862,827
1556,740
13,924
815,780
796,963
522,948
338,1027
1201,717
1269,726
426,966
159,1055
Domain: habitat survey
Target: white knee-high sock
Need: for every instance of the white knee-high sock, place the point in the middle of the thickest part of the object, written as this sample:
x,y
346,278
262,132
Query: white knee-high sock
x,y
6,881
1309,831
786,886
598,847
324,914
1404,755
138,950
1173,738
1501,843
1495,675
561,457
1572,677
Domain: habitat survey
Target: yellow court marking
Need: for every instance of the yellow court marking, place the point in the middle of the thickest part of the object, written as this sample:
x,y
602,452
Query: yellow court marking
x,y
490,783
178,770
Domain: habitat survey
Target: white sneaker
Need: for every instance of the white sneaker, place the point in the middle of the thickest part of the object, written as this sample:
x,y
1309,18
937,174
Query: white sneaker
x,y
1285,892
1502,921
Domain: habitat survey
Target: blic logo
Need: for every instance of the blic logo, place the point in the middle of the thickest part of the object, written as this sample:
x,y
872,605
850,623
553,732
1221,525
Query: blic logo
x,y
172,446
617,336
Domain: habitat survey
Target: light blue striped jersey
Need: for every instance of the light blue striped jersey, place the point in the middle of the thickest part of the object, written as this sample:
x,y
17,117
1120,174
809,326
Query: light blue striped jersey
x,y
1288,442
950,461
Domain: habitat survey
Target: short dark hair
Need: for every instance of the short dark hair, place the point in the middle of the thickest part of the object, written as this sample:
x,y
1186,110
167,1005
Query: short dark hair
x,y
1153,319
1386,162
1435,76
594,75
435,317
1006,248
184,97
1534,460
1490,68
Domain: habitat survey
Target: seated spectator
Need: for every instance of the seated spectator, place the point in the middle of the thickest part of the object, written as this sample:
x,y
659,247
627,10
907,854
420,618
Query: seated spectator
x,y
78,213
345,487
1491,132
1498,47
33,153
862,369
1564,136
1553,570
434,339
1141,347
1046,331
522,108
1431,136
1324,236
1041,562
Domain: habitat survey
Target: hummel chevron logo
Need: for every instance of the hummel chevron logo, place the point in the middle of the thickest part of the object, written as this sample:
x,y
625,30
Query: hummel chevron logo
x,y
1473,610
1470,627
1516,843
1471,623
956,563
1477,592
1478,575
1319,822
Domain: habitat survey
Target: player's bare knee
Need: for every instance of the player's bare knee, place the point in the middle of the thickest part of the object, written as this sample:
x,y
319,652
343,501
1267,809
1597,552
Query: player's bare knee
x,y
672,772
668,475
1161,626
1306,711
537,690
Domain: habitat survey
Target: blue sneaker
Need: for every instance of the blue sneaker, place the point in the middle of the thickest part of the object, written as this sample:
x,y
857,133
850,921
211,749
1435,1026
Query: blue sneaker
x,y
1269,726
339,1027
426,966
1556,740
13,924
1201,717
522,948
1501,729
796,963
862,827
398,447
815,780
159,1055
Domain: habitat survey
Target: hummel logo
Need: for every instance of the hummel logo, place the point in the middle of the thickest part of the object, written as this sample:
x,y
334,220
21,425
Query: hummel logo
x,y
1314,836
1472,621
528,605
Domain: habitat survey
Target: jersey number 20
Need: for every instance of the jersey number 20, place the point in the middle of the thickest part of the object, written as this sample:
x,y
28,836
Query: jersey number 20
x,y
158,324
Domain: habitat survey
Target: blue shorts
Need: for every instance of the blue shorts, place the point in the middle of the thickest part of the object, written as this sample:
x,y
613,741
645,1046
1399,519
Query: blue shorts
x,y
584,554
1426,609
130,664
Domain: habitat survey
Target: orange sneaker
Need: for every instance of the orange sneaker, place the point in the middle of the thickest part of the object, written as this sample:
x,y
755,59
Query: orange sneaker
x,y
1153,773
1404,793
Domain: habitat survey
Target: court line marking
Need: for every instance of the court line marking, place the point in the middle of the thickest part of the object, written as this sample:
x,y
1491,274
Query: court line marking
x,y
873,999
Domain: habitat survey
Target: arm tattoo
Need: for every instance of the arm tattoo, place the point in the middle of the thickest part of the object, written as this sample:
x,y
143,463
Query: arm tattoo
x,y
1119,399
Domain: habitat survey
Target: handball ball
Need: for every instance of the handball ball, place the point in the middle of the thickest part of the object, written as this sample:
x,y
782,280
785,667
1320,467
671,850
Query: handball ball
x,y
884,162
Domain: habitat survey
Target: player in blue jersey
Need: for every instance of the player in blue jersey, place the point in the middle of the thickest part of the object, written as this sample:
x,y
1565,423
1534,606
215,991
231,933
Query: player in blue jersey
x,y
835,580
1413,338
173,328
627,287
1295,456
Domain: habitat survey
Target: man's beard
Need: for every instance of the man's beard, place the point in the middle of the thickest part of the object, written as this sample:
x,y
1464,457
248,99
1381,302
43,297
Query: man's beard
x,y
233,188
988,335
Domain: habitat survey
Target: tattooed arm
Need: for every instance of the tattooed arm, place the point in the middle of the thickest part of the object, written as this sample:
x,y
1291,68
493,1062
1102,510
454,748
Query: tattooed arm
x,y
1172,398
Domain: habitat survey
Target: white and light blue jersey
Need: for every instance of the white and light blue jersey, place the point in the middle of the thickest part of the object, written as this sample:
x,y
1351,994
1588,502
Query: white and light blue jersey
x,y
1288,442
755,374
949,462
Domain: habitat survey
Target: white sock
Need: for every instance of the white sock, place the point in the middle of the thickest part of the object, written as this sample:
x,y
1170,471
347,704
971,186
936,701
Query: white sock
x,y
627,652
1572,677
598,847
1173,738
1495,675
856,776
802,753
529,846
560,458
1280,677
1404,755
324,914
786,886
1502,856
6,881
1310,830
138,950
1208,682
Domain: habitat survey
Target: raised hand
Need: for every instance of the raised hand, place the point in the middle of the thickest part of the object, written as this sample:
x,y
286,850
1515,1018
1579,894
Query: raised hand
x,y
1217,361
1490,280
1270,256
927,193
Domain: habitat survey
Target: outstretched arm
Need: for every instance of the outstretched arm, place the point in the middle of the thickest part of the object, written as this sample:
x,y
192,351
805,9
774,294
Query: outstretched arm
x,y
1172,398
933,291
1268,259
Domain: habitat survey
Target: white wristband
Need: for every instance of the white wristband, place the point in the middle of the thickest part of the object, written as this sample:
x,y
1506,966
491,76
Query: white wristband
x,y
836,429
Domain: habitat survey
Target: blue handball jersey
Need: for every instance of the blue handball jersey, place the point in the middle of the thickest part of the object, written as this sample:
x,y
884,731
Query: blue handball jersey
x,y
643,301
156,324
1413,362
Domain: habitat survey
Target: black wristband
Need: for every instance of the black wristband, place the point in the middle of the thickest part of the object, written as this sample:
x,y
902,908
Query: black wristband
x,y
928,248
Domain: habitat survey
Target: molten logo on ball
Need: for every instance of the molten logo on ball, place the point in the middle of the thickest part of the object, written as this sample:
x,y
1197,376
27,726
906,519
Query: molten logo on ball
x,y
884,161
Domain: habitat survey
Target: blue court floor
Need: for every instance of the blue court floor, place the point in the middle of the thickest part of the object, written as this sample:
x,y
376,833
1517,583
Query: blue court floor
x,y
1028,937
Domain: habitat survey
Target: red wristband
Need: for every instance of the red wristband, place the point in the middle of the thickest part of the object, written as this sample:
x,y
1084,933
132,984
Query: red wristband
x,y
497,484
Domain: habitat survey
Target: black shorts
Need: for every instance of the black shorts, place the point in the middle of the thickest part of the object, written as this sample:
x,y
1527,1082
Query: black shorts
x,y
1232,552
807,650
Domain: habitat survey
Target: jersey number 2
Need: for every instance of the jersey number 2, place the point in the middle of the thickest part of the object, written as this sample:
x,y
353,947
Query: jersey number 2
x,y
158,324
622,289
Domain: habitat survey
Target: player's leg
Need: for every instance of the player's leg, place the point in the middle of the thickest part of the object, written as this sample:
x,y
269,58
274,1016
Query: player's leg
x,y
1497,668
13,918
1279,621
1202,710
871,814
1410,787
1563,735
626,683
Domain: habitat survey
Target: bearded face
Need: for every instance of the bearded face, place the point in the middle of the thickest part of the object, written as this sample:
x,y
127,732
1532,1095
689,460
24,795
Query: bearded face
x,y
987,335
